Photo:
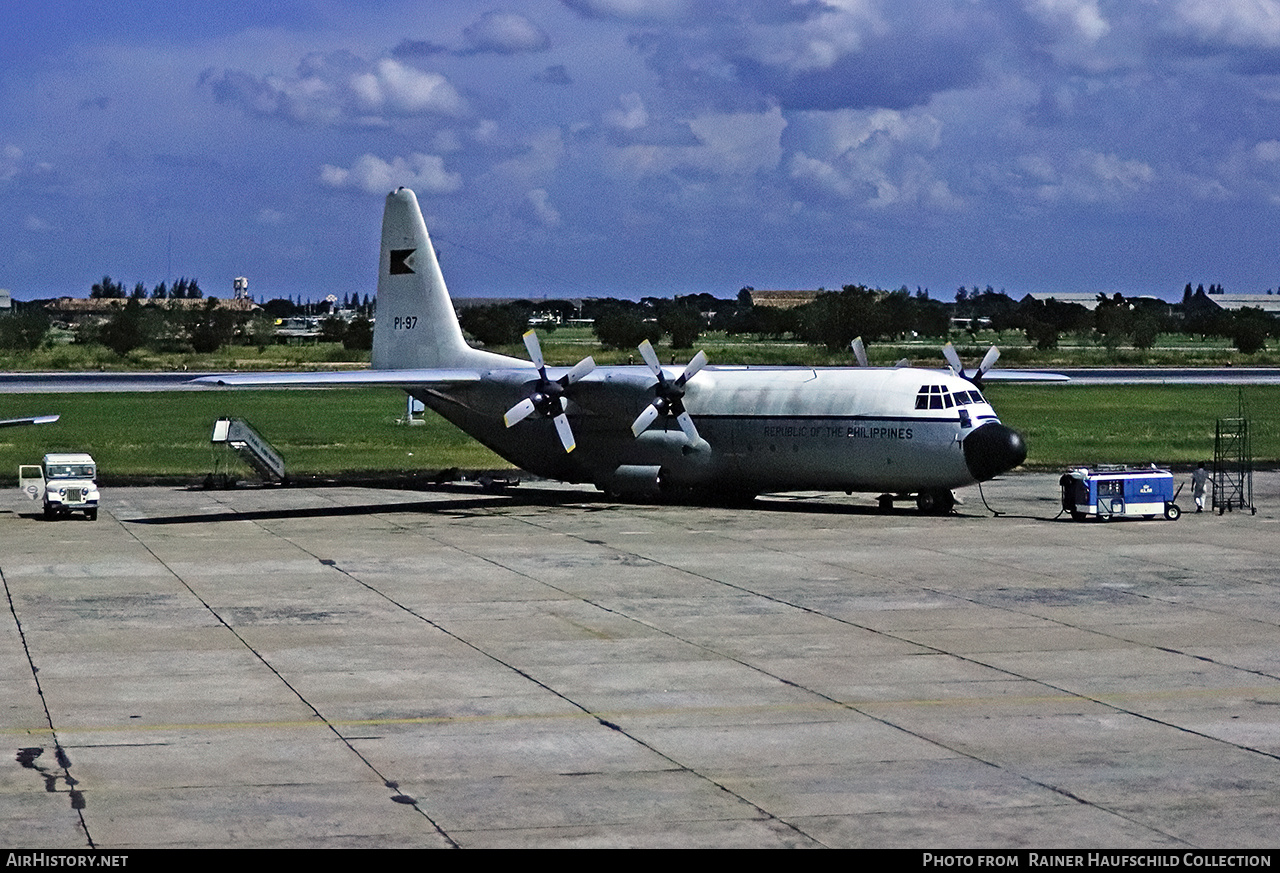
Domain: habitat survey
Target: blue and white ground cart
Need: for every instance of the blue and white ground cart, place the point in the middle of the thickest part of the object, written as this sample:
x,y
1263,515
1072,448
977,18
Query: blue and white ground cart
x,y
1119,492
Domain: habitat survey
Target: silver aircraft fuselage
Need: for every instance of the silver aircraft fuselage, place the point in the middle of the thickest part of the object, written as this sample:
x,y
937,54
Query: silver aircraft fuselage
x,y
765,429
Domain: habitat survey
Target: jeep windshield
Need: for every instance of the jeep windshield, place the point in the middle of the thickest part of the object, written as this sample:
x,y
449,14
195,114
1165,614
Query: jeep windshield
x,y
70,471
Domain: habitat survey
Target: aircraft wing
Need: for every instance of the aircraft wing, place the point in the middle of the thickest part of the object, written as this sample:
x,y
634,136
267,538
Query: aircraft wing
x,y
31,419
1023,376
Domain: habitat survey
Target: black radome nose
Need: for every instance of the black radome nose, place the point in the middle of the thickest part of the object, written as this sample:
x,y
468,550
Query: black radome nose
x,y
992,449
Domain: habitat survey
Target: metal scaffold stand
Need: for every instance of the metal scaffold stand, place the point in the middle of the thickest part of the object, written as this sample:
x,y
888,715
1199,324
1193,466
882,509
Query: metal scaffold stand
x,y
1233,465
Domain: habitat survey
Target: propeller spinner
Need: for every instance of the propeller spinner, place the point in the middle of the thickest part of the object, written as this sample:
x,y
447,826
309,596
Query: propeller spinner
x,y
547,398
668,395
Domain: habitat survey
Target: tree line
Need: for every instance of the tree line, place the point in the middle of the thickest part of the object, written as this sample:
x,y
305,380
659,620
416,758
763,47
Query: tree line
x,y
831,319
834,318
146,320
1117,320
183,289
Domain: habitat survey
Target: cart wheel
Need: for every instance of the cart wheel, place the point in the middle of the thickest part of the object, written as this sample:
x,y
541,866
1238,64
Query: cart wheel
x,y
1172,512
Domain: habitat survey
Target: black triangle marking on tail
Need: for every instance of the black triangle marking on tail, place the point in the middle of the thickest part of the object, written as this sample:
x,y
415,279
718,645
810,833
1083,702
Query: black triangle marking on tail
x,y
401,261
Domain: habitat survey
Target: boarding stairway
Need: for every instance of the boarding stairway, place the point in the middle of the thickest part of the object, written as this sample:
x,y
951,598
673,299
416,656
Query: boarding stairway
x,y
251,446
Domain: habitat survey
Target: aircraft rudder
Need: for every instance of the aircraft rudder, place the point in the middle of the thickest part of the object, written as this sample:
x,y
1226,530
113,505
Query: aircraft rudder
x,y
416,326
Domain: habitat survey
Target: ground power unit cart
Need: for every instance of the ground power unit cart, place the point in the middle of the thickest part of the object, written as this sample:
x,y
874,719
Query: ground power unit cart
x,y
1119,492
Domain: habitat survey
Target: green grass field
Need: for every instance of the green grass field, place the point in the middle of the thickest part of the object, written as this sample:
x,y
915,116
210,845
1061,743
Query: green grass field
x,y
139,435
1115,424
167,434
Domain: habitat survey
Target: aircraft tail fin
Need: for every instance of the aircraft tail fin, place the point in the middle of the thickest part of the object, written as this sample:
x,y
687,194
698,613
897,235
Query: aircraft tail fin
x,y
416,327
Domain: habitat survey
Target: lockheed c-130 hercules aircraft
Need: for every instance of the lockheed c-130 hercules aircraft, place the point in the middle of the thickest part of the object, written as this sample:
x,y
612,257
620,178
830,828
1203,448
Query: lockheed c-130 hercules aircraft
x,y
722,432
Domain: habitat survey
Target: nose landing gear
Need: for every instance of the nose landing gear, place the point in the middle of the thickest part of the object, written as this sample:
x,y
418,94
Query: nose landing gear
x,y
938,502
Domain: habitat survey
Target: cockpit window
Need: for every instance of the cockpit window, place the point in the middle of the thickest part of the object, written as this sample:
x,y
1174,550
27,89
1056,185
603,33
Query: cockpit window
x,y
938,397
933,397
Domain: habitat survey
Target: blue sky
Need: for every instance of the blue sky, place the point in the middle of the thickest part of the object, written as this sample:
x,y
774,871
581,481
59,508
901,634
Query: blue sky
x,y
644,147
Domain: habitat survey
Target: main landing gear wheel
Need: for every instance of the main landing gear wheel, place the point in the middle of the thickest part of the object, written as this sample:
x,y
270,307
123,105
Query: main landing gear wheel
x,y
935,502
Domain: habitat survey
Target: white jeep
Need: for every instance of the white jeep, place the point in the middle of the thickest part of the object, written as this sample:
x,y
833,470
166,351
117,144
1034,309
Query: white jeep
x,y
66,480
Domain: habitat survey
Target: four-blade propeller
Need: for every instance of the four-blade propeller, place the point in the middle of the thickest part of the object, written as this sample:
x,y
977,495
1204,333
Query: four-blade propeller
x,y
547,399
668,395
953,361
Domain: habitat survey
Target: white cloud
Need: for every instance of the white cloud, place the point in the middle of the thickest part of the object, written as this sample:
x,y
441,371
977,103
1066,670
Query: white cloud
x,y
339,88
1092,177
14,164
540,205
818,42
876,157
741,142
913,182
10,162
531,168
631,116
406,90
630,10
506,33
369,173
1117,172
1082,19
731,143
1267,150
1237,22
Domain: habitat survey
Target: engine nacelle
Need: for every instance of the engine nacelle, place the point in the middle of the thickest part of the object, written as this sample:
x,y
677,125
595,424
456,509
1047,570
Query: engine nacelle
x,y
633,480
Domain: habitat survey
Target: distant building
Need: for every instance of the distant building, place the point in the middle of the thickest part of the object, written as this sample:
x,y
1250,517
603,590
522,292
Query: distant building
x,y
782,299
1268,303
1087,299
6,301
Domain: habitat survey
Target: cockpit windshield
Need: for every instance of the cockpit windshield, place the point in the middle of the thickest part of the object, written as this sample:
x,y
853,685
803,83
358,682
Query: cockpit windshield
x,y
939,397
70,471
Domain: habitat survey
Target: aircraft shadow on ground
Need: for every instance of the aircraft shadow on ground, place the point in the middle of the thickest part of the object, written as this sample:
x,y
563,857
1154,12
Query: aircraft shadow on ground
x,y
482,502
